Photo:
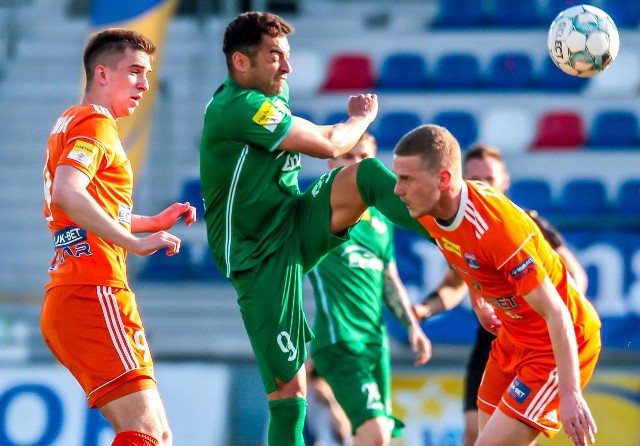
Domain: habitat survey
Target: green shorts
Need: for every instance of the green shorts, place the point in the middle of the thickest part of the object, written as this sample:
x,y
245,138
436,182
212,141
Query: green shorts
x,y
270,294
360,376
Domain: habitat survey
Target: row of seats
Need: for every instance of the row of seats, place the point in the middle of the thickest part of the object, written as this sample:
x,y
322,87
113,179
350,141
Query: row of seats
x,y
409,71
522,13
512,129
579,199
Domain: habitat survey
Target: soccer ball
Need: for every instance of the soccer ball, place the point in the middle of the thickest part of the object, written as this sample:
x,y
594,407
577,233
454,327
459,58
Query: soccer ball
x,y
583,40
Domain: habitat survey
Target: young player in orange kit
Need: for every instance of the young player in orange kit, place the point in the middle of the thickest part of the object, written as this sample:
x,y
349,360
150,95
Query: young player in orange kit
x,y
549,341
90,319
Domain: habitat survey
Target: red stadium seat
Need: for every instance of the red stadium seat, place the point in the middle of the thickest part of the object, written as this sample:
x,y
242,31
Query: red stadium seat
x,y
558,129
349,72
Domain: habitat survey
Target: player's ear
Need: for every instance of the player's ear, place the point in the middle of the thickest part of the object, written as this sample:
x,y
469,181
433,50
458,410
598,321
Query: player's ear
x,y
445,179
241,62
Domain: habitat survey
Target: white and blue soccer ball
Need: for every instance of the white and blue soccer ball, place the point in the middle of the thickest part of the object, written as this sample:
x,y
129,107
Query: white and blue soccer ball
x,y
583,40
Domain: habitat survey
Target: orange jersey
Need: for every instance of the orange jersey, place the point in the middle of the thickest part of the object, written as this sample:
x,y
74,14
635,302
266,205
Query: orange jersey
x,y
501,254
86,137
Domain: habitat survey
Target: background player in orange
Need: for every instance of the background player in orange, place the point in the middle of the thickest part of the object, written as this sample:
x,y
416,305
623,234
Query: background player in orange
x,y
549,340
483,162
90,319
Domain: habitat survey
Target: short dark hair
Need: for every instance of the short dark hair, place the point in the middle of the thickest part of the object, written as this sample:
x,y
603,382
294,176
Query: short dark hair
x,y
244,33
482,151
435,145
102,46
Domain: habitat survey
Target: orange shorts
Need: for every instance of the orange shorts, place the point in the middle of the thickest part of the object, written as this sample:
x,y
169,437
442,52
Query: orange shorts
x,y
524,385
96,332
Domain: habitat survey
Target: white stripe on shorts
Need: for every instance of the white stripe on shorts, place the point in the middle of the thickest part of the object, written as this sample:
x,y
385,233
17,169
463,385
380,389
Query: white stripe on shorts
x,y
116,328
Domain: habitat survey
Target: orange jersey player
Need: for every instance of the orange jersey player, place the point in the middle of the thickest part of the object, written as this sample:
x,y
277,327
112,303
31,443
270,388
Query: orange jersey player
x,y
89,318
549,341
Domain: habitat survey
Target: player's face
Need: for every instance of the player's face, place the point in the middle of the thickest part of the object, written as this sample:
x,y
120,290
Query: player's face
x,y
362,150
270,65
416,186
127,82
489,170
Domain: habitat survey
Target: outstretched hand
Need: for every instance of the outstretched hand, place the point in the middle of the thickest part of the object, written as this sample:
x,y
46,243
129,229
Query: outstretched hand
x,y
170,216
145,246
420,344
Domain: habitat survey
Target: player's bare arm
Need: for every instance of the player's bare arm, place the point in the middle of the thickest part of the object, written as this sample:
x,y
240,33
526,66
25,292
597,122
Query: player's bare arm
x,y
449,293
165,219
396,299
331,141
70,194
576,416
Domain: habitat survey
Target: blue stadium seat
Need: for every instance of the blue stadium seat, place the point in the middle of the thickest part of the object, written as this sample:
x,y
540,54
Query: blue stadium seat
x,y
403,71
533,194
614,129
393,125
305,114
458,13
510,13
336,117
192,193
462,124
627,200
555,7
553,78
511,71
207,268
625,14
304,182
583,197
457,71
161,267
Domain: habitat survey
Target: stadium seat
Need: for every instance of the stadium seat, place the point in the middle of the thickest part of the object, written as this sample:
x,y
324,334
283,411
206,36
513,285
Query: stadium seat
x,y
621,78
625,14
553,78
511,71
457,71
583,197
462,124
161,267
303,114
510,13
351,71
191,192
533,194
627,199
559,130
458,13
614,129
555,7
392,126
207,268
403,71
508,127
335,117
309,68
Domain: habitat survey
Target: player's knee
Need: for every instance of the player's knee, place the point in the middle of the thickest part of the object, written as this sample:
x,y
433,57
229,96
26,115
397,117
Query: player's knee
x,y
374,431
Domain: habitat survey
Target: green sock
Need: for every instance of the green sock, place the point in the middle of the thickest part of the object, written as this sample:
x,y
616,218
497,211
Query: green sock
x,y
286,421
375,183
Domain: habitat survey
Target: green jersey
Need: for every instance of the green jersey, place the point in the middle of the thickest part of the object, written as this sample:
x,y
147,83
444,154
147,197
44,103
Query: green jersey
x,y
250,188
348,285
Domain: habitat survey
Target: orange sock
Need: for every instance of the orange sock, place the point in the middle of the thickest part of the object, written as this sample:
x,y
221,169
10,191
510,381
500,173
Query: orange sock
x,y
132,438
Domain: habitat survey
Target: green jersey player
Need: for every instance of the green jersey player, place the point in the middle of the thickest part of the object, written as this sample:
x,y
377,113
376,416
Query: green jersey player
x,y
263,234
350,350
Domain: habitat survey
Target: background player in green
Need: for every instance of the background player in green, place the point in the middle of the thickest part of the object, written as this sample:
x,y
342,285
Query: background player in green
x,y
263,234
351,347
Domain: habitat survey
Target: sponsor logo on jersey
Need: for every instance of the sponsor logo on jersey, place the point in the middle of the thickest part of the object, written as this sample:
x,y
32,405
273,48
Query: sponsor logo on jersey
x,y
506,303
471,261
523,269
378,225
476,285
450,246
124,214
551,416
518,390
69,236
361,258
83,152
268,116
